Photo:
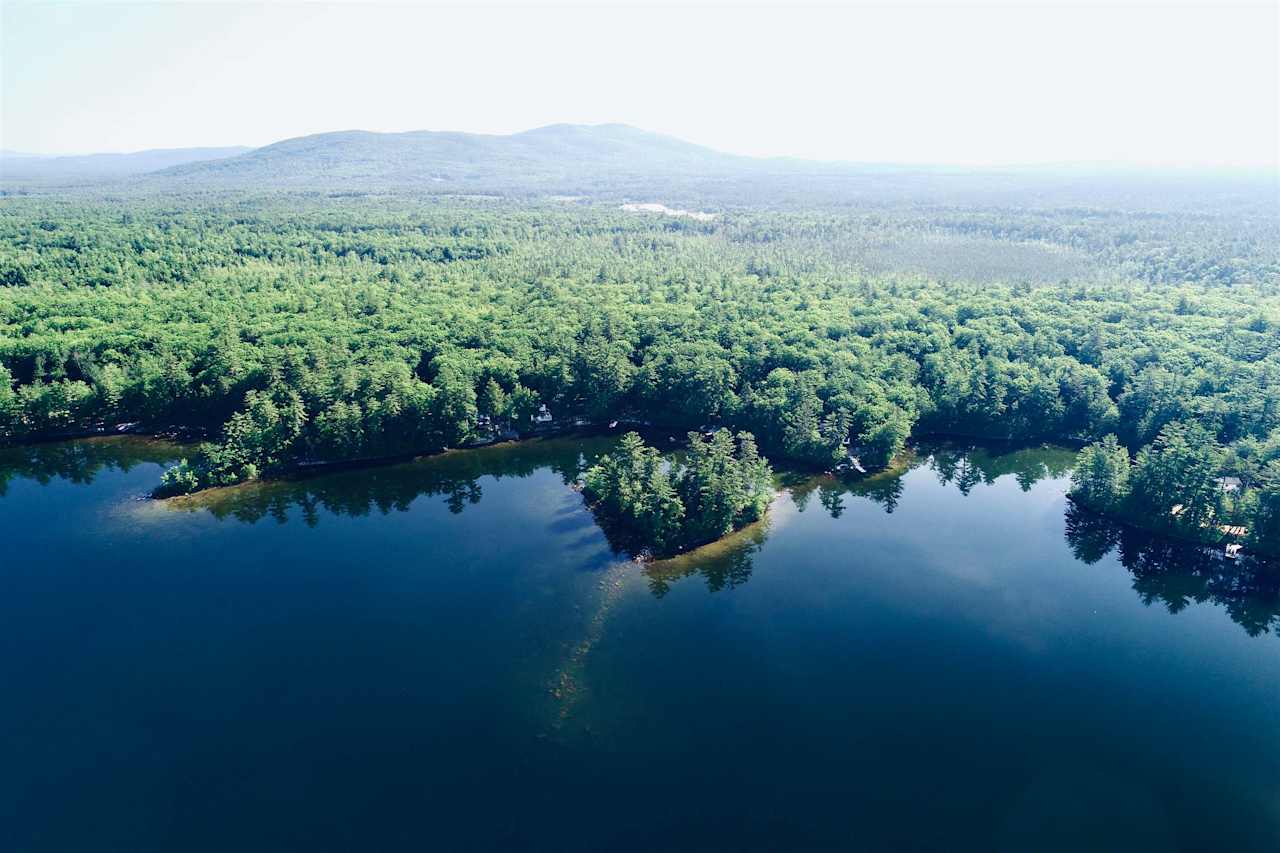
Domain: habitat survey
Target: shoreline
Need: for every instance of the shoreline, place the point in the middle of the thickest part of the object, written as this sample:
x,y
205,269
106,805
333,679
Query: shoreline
x,y
787,478
123,430
792,474
305,470
658,433
1174,534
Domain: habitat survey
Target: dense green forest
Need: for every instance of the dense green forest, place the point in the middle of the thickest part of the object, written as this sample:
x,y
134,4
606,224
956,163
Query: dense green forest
x,y
295,328
720,484
1187,484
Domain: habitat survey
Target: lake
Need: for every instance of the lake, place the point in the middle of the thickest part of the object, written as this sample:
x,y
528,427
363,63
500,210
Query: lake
x,y
448,654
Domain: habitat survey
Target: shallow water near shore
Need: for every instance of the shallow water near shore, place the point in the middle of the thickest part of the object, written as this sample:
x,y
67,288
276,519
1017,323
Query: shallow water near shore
x,y
449,654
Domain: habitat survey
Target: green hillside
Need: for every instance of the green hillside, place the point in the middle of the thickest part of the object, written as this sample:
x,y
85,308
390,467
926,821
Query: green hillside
x,y
554,154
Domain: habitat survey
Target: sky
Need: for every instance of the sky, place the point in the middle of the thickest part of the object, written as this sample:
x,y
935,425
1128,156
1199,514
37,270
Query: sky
x,y
1146,84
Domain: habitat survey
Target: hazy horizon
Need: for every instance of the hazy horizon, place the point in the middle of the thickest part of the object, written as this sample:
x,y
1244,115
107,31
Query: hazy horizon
x,y
1146,86
1269,170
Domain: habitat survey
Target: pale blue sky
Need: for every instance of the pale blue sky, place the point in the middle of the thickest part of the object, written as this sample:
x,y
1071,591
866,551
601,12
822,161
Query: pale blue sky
x,y
1010,83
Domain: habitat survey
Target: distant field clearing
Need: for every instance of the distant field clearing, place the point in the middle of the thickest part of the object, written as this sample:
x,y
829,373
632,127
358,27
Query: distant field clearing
x,y
667,211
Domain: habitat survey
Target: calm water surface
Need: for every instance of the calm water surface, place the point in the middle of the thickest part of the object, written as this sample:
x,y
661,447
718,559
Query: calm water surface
x,y
449,655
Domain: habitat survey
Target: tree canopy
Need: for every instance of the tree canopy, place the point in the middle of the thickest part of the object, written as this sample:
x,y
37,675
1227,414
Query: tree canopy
x,y
308,327
719,484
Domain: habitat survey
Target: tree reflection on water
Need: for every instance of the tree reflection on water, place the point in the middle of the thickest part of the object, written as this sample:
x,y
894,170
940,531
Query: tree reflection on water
x,y
359,492
80,461
1175,574
723,565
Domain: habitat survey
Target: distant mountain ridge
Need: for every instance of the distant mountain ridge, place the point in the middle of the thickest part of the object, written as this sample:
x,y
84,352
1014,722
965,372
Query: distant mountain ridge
x,y
14,164
550,154
615,163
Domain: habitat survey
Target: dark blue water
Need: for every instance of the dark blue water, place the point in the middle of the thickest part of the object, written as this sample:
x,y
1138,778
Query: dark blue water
x,y
449,655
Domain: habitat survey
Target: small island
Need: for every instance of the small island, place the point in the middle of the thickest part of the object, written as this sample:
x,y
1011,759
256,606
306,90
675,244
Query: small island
x,y
659,507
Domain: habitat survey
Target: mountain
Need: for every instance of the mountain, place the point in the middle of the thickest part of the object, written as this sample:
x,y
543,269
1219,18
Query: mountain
x,y
15,165
560,154
616,162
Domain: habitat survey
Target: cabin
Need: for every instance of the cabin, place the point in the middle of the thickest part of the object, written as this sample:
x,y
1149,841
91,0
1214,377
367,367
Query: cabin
x,y
1233,550
543,415
1228,484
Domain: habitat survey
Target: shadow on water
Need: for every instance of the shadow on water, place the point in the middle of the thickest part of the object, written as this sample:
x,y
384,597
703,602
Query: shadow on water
x,y
724,564
1178,574
1173,573
360,492
964,466
728,563
967,465
80,461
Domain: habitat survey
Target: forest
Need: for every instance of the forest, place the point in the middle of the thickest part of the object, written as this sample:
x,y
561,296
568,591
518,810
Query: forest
x,y
720,485
292,329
